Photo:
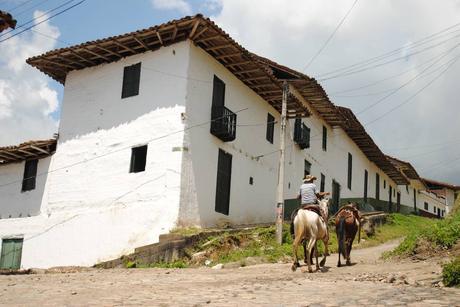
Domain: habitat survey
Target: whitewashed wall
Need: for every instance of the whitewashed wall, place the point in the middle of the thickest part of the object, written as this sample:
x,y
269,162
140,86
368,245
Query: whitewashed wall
x,y
433,201
96,209
17,204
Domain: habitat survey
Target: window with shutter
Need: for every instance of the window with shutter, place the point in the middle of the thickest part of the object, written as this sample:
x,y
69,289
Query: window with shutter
x,y
377,186
218,92
224,176
138,159
270,127
30,175
324,138
323,182
365,185
306,168
350,161
131,80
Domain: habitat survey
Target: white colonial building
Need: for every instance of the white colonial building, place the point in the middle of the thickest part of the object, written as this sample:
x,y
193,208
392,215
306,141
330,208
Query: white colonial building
x,y
177,125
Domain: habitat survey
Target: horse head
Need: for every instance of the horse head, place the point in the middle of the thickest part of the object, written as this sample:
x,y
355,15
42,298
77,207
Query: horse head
x,y
324,205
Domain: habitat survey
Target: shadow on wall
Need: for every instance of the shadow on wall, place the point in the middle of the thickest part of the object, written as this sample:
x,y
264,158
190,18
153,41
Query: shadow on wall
x,y
22,204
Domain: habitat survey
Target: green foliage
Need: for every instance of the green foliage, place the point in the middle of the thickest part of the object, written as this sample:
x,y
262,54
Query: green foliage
x,y
451,273
178,264
441,233
130,264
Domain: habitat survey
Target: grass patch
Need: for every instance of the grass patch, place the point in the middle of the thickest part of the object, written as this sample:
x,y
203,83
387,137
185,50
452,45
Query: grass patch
x,y
438,234
451,273
261,242
179,264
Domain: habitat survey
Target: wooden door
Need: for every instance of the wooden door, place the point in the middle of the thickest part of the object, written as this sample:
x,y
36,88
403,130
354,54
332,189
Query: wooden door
x,y
398,202
11,254
335,197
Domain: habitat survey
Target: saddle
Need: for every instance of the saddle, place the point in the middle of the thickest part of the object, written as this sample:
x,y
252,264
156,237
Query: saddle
x,y
314,208
350,208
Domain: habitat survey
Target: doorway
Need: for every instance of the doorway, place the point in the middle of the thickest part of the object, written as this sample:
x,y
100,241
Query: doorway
x,y
11,254
335,197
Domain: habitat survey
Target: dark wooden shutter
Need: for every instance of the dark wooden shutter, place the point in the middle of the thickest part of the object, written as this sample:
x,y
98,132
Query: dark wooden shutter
x,y
270,127
131,80
365,185
224,175
30,174
377,186
306,168
324,138
323,182
415,201
350,171
138,159
306,135
218,93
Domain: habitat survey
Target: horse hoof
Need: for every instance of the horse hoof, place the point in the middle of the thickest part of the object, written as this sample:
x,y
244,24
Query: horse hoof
x,y
348,263
310,270
339,265
295,266
322,263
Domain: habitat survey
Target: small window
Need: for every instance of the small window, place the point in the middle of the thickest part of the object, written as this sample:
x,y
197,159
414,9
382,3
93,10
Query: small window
x,y
324,138
323,182
306,168
434,209
365,185
270,127
377,186
384,184
350,166
425,206
251,180
407,189
138,159
131,80
218,92
30,175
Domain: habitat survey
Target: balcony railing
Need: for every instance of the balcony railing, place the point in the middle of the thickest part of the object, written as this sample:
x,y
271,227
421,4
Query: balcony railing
x,y
301,134
223,124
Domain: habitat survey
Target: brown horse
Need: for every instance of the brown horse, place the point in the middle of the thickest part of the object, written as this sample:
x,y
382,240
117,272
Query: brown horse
x,y
347,224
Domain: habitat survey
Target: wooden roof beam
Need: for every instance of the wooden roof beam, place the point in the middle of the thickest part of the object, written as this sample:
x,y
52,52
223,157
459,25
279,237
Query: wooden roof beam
x,y
11,154
239,63
70,61
124,46
96,54
218,47
195,26
27,152
173,37
247,71
7,158
229,55
39,149
205,28
159,38
209,38
82,58
141,42
257,78
109,51
57,63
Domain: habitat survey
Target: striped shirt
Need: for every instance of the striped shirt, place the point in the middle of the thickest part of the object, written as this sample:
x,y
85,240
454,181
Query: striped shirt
x,y
308,193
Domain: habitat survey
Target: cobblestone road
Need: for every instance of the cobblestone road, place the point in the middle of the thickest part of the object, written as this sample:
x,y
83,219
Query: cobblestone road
x,y
369,282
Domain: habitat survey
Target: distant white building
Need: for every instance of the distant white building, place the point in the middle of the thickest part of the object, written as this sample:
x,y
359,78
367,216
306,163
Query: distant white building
x,y
176,125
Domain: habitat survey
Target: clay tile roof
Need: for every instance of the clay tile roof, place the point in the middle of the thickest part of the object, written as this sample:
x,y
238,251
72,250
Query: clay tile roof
x,y
262,75
28,150
405,167
433,184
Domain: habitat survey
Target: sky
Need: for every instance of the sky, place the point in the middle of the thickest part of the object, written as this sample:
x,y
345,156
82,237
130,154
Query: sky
x,y
407,100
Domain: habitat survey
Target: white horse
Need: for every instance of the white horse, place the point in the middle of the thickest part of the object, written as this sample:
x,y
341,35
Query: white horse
x,y
309,226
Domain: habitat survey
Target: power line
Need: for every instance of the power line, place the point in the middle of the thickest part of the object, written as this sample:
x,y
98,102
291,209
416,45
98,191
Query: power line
x,y
30,8
330,36
36,18
57,14
20,5
408,82
395,51
353,72
414,95
120,149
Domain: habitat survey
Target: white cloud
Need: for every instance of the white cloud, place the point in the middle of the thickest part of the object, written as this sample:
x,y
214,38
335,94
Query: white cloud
x,y
292,32
179,5
26,99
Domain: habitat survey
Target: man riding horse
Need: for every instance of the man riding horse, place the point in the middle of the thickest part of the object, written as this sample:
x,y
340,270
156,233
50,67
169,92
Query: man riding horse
x,y
308,196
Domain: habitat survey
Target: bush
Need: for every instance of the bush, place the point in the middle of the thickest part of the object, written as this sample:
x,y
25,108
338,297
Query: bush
x,y
451,273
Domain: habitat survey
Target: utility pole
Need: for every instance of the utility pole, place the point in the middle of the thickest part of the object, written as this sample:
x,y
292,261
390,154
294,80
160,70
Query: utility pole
x,y
280,189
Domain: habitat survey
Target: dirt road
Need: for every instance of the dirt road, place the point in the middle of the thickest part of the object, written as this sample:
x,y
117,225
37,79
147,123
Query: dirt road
x,y
370,282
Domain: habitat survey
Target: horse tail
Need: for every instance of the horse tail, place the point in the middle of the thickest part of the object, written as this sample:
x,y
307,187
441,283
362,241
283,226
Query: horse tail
x,y
341,235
